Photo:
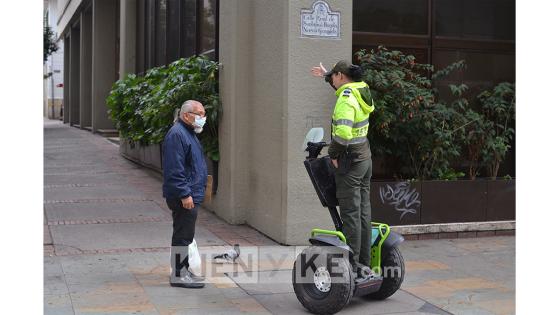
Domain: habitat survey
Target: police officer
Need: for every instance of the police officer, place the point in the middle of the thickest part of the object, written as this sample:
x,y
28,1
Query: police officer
x,y
351,156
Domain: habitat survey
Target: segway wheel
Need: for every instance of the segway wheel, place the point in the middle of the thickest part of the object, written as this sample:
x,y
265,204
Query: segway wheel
x,y
317,291
392,268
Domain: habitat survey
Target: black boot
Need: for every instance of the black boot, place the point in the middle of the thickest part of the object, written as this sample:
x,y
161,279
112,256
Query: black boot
x,y
363,271
180,275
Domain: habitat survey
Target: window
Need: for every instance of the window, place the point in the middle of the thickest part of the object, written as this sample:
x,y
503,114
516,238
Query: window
x,y
188,28
389,16
485,69
207,24
476,19
161,33
173,39
170,29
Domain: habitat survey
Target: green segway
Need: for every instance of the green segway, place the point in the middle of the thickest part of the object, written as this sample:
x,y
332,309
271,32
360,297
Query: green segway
x,y
322,276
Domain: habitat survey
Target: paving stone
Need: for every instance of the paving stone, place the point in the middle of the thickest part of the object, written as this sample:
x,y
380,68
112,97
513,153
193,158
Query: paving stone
x,y
162,288
191,300
109,210
123,235
95,192
97,278
52,267
47,239
55,285
284,303
234,293
99,179
58,304
137,303
265,282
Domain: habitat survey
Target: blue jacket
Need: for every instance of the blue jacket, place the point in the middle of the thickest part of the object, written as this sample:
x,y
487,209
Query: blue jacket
x,y
184,166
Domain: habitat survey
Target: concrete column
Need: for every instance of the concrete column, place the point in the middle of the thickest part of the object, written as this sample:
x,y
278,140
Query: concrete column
x,y
270,101
233,196
104,65
309,102
85,70
127,62
75,76
66,87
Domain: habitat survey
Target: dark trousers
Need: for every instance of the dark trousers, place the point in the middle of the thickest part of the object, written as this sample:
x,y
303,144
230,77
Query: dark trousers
x,y
352,191
183,222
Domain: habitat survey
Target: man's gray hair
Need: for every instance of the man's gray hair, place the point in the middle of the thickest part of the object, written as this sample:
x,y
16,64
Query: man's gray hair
x,y
187,107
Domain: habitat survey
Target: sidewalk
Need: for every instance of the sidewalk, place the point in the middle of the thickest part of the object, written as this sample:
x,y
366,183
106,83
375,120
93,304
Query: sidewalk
x,y
106,250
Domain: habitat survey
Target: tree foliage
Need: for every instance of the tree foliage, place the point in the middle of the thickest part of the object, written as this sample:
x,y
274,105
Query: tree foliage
x,y
49,44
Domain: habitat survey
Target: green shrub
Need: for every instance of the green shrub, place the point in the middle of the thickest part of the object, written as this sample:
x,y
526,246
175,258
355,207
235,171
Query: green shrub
x,y
142,107
410,126
498,108
420,134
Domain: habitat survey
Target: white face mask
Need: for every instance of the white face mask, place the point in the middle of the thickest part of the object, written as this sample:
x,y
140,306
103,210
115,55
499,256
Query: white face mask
x,y
199,123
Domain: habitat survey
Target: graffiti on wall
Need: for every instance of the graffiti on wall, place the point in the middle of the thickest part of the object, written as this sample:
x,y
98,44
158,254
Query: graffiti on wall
x,y
401,196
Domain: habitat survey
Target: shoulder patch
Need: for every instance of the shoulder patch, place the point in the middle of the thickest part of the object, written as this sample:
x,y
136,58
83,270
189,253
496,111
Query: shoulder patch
x,y
346,92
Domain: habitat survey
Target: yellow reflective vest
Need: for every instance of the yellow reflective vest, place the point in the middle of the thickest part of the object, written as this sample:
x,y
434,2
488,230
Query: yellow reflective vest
x,y
350,120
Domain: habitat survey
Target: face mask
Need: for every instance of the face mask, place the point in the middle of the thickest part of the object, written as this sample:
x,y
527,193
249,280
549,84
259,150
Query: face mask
x,y
199,123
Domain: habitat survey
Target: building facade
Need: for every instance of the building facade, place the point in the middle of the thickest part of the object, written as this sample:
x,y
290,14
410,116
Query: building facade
x,y
53,69
266,49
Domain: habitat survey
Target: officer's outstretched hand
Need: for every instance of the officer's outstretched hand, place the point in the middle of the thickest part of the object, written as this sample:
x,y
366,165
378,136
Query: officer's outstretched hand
x,y
318,71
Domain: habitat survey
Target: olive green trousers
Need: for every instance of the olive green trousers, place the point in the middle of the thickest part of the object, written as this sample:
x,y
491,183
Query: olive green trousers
x,y
352,191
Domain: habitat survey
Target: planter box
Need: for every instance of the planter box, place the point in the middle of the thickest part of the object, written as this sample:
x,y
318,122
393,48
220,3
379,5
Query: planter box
x,y
453,201
433,202
501,200
148,156
131,151
396,203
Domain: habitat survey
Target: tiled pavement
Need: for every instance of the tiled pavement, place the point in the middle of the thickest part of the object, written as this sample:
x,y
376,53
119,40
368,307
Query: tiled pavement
x,y
106,249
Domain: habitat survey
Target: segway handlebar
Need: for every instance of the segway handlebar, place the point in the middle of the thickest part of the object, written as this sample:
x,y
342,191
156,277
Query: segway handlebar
x,y
314,149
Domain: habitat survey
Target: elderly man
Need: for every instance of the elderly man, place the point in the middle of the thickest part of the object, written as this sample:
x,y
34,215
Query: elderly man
x,y
184,184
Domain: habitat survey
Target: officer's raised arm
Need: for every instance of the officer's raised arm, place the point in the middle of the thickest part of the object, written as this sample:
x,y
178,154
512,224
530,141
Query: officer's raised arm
x,y
319,71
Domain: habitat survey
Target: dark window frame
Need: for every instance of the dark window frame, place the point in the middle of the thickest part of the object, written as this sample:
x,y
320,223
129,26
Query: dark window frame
x,y
176,40
431,41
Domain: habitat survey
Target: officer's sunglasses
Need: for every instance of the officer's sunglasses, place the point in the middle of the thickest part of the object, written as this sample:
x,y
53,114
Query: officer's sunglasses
x,y
328,78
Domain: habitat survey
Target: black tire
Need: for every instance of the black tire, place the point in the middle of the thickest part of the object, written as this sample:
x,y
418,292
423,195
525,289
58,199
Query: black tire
x,y
311,297
392,261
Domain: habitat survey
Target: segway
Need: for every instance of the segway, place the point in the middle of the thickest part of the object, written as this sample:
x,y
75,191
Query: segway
x,y
322,275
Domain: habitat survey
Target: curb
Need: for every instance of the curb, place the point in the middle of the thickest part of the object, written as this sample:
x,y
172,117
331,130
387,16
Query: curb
x,y
456,230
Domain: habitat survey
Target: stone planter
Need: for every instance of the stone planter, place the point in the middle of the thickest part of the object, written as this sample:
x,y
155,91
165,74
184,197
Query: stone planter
x,y
148,156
